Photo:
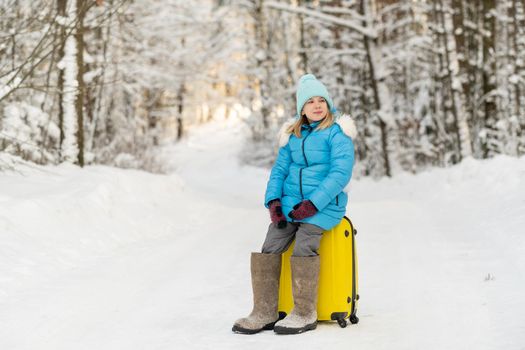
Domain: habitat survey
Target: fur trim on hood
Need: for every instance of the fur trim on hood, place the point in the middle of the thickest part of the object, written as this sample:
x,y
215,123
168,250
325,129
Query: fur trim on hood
x,y
346,123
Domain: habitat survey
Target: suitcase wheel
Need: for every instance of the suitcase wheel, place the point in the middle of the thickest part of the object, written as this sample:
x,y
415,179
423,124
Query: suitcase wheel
x,y
342,323
354,319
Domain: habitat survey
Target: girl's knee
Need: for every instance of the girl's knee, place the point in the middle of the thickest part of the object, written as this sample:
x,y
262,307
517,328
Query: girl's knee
x,y
305,249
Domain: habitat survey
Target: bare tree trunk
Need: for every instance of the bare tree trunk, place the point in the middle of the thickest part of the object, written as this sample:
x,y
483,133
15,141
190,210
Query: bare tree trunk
x,y
520,57
375,89
61,9
262,59
180,98
472,53
516,49
452,91
440,90
338,44
462,56
79,103
291,70
458,21
180,110
303,55
99,99
489,67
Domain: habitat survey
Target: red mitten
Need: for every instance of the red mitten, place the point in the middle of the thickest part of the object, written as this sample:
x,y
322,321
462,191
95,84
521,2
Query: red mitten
x,y
276,213
303,210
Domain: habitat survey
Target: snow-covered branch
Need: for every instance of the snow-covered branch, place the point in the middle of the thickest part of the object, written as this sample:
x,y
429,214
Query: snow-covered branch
x,y
369,32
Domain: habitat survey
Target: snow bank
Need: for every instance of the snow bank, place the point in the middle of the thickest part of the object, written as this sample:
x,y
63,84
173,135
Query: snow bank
x,y
56,218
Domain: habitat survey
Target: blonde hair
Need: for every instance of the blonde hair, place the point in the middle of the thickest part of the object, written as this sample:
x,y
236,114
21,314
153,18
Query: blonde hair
x,y
295,128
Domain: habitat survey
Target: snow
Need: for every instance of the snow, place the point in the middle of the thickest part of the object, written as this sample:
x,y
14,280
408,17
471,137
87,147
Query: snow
x,y
105,258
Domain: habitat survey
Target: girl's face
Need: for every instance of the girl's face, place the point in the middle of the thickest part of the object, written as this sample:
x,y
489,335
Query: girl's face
x,y
315,109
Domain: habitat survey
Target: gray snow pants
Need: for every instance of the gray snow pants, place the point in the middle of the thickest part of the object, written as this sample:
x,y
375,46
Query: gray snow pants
x,y
307,239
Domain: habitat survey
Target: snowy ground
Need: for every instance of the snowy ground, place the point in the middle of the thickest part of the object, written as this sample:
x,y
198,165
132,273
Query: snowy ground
x,y
102,258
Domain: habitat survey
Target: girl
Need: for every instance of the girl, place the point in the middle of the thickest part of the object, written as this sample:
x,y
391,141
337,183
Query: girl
x,y
305,197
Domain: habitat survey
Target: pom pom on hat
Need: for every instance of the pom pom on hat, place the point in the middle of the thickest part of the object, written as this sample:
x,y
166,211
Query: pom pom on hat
x,y
309,87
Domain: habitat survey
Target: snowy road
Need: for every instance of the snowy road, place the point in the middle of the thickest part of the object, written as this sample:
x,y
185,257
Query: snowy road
x,y
104,258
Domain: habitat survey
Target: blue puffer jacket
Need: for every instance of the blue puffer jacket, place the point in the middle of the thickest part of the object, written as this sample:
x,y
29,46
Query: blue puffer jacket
x,y
317,167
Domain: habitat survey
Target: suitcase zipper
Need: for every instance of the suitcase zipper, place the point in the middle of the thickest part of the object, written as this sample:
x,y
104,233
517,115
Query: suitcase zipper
x,y
354,279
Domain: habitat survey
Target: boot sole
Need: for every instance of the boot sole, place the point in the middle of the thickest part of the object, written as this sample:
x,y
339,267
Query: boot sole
x,y
286,330
241,330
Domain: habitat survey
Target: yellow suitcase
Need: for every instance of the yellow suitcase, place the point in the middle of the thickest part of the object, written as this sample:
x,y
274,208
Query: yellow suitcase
x,y
337,296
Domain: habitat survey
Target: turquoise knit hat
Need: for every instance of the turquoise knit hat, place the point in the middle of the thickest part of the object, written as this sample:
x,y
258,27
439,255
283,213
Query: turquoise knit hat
x,y
309,87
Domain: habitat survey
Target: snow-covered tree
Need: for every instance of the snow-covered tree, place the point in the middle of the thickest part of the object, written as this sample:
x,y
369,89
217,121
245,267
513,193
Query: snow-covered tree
x,y
429,82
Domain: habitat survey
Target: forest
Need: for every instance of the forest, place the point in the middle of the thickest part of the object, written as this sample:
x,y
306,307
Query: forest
x,y
428,82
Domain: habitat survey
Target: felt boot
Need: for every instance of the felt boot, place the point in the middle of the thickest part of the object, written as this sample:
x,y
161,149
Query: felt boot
x,y
305,280
266,272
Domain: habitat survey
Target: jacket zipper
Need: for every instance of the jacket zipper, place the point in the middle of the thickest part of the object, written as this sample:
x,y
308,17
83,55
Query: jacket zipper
x,y
304,154
301,182
306,161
